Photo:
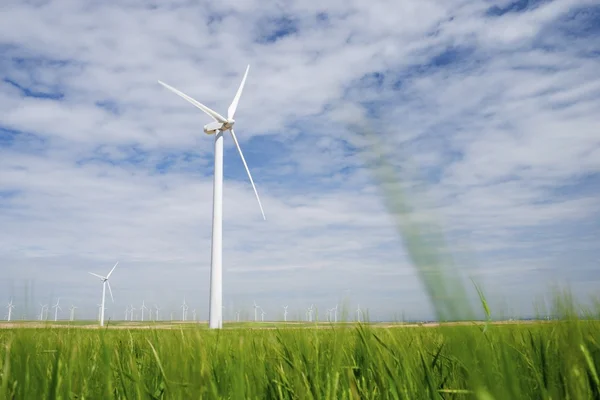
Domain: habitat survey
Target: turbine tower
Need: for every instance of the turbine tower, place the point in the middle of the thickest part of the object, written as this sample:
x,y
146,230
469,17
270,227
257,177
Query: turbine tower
x,y
217,128
105,283
143,308
72,309
10,307
255,308
56,308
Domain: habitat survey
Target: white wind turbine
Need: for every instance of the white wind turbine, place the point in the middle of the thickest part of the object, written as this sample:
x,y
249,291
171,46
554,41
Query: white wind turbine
x,y
255,309
285,312
56,308
44,308
105,282
310,313
334,309
72,309
217,128
10,307
157,310
143,308
126,312
184,308
358,313
131,311
262,315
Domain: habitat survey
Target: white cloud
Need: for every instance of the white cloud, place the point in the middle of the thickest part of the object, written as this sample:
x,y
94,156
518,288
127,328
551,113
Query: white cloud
x,y
497,114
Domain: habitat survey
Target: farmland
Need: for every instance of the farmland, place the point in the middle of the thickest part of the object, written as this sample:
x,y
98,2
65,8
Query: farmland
x,y
556,359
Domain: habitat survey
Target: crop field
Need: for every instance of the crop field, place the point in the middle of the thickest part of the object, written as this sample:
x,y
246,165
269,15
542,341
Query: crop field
x,y
552,360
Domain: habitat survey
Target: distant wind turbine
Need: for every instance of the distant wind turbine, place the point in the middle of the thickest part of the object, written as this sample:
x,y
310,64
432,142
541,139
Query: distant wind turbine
x,y
143,308
10,307
334,309
105,283
72,309
255,309
285,312
217,128
44,307
56,308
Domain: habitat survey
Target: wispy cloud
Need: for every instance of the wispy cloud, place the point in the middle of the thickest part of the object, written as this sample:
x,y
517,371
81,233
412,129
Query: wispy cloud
x,y
490,111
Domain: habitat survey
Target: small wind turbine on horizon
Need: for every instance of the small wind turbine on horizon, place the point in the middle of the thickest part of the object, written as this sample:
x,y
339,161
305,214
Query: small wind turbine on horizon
x,y
334,309
262,315
184,309
56,308
105,282
157,310
217,128
256,307
358,313
10,307
285,313
142,309
72,309
44,308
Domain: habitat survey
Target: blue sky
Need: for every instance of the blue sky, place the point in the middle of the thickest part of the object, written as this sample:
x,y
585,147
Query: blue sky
x,y
489,111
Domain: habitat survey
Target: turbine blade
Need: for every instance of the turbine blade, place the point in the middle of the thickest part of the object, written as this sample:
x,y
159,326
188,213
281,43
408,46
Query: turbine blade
x,y
110,291
248,171
96,275
111,271
236,99
215,115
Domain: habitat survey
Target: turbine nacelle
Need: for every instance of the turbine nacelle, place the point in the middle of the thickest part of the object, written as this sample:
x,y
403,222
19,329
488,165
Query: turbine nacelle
x,y
213,127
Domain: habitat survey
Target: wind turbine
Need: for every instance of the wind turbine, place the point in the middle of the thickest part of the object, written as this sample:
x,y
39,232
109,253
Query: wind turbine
x,y
10,307
44,308
105,282
310,313
217,128
358,313
255,308
56,308
285,313
143,308
184,308
72,309
131,310
157,310
262,315
334,309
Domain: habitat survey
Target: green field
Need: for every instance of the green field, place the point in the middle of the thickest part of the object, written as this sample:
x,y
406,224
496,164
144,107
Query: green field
x,y
554,360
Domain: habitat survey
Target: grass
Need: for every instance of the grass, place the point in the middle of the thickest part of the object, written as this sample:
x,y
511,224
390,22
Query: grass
x,y
556,360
